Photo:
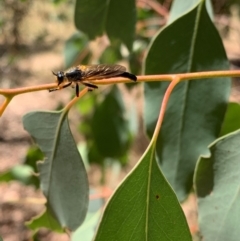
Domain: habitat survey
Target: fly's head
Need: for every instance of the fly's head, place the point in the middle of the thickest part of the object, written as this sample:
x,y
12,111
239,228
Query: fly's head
x,y
60,76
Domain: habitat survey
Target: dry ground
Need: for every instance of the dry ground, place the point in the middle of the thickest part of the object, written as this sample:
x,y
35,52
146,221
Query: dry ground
x,y
19,203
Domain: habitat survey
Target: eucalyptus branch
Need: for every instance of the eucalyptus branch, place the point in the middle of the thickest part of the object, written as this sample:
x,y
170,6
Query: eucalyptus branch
x,y
163,108
10,93
75,99
170,77
118,80
23,90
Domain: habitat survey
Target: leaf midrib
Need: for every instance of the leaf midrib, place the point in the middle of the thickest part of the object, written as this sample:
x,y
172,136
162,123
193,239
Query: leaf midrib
x,y
152,145
56,138
189,69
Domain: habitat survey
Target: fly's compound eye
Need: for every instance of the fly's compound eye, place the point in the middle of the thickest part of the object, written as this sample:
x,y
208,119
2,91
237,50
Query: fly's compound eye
x,y
60,76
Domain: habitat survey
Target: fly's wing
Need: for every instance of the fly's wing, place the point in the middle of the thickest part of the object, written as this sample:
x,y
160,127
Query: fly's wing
x,y
101,71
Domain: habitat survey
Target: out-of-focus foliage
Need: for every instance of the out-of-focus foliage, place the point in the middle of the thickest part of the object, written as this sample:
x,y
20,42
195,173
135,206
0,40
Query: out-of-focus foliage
x,y
145,205
25,173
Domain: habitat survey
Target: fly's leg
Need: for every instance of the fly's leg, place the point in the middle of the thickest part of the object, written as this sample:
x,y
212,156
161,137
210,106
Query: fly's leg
x,y
91,87
60,87
77,89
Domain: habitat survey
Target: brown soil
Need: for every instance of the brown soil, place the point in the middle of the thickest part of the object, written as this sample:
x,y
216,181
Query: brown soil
x,y
33,66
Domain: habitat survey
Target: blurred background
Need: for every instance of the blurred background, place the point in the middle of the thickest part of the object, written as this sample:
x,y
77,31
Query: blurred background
x,y
37,37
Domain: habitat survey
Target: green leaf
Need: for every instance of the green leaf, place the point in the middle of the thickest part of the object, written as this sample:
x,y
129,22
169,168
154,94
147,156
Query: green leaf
x,y
73,47
182,6
111,55
217,187
44,220
196,108
87,230
110,129
135,58
24,173
82,148
133,119
86,105
232,119
34,154
58,2
62,174
90,16
144,207
21,173
93,154
121,20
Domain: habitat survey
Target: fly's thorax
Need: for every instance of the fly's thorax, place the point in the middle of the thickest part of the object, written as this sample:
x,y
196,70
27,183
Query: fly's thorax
x,y
74,74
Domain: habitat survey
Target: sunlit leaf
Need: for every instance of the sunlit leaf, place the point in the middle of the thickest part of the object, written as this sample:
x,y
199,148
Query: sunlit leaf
x,y
232,119
181,6
144,207
21,173
44,220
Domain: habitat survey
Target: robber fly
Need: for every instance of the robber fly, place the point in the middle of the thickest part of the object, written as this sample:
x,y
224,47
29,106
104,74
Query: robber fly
x,y
86,74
